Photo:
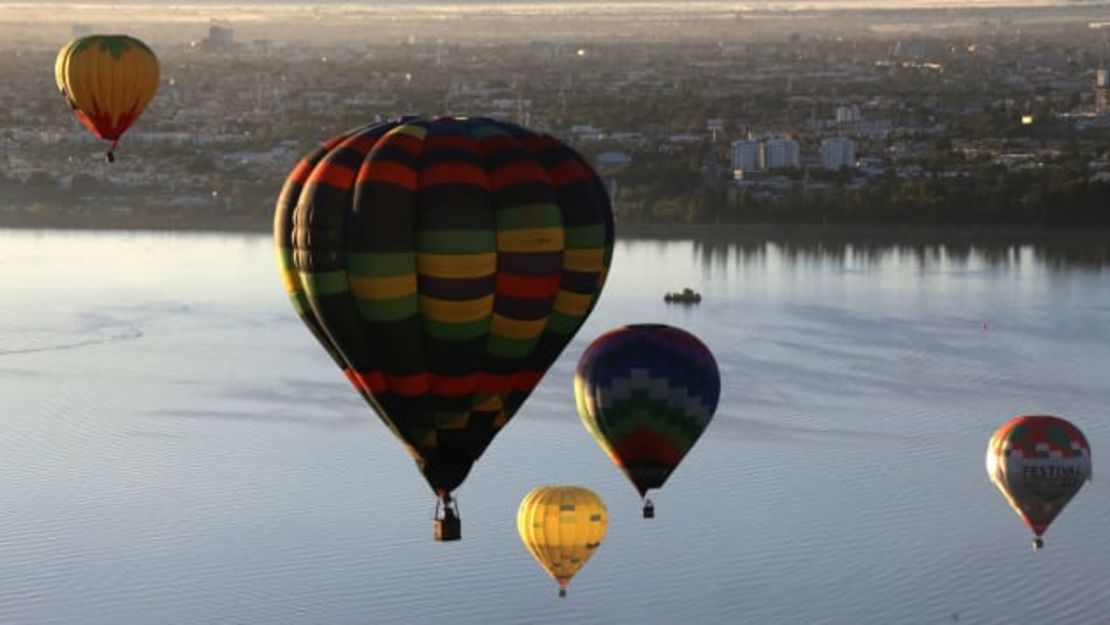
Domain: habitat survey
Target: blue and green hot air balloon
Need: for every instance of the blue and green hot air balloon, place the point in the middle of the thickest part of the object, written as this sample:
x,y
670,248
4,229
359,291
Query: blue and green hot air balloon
x,y
646,393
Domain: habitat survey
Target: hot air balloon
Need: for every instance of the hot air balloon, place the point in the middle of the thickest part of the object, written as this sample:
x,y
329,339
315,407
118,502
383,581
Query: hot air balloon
x,y
1038,463
108,80
443,264
646,393
562,526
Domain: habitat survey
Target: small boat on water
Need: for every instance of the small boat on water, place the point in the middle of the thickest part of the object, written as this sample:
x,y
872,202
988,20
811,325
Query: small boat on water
x,y
686,296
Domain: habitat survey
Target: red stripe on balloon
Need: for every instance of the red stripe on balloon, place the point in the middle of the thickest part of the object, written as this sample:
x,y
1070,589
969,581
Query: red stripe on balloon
x,y
386,171
644,445
446,385
515,173
333,175
300,172
527,287
372,382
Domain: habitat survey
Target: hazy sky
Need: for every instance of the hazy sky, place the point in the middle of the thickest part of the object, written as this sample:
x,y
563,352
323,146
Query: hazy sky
x,y
678,5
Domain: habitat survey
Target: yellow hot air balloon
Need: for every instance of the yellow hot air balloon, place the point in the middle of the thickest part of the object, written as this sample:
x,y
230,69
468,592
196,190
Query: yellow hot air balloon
x,y
108,80
562,526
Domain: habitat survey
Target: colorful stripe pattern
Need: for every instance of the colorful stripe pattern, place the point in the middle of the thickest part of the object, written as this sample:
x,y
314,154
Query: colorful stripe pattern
x,y
646,393
562,527
108,81
444,265
1038,463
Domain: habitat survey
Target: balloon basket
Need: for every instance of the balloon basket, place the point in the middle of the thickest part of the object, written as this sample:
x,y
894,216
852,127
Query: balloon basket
x,y
562,592
1038,543
649,510
449,526
447,529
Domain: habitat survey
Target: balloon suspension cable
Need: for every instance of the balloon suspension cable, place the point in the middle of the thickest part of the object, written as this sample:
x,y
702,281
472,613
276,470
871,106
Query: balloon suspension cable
x,y
450,506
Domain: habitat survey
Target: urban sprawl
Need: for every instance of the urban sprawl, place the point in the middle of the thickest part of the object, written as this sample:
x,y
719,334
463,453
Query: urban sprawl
x,y
946,117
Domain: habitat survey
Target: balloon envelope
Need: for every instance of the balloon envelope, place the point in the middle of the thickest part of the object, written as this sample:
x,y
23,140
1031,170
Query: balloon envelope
x,y
562,527
108,81
647,392
1038,463
444,265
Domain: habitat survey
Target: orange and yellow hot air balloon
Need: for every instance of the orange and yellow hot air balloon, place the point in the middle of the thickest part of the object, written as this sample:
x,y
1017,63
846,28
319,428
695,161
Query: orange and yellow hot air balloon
x,y
108,81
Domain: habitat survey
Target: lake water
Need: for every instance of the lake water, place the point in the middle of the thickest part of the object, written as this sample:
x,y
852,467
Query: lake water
x,y
177,449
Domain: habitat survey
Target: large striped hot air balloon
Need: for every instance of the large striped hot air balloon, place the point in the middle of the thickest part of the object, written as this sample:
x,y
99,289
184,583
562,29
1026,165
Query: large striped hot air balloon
x,y
444,265
562,526
646,392
1038,463
108,81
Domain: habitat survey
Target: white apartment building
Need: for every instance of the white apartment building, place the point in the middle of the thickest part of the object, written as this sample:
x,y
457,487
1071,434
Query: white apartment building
x,y
848,114
780,153
838,152
747,155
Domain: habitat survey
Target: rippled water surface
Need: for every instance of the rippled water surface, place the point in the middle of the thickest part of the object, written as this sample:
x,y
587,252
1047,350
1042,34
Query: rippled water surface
x,y
176,448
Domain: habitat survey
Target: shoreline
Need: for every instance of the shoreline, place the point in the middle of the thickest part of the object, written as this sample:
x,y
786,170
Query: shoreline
x,y
641,231
859,231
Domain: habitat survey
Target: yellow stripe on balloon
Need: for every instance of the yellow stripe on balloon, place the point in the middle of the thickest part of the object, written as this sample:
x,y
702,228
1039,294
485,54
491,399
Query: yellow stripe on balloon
x,y
408,129
389,287
456,311
530,240
456,265
517,328
573,304
588,260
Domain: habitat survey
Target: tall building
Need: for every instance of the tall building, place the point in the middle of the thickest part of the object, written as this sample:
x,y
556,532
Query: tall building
x,y
1102,97
747,155
219,38
838,152
221,34
779,153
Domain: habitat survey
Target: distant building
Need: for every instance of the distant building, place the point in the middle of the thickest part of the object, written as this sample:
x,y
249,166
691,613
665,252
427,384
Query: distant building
x,y
838,152
264,46
221,34
1102,97
546,49
848,114
219,38
747,155
780,153
685,137
715,126
586,132
613,160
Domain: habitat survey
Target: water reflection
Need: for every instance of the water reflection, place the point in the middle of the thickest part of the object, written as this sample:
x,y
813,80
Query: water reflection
x,y
923,253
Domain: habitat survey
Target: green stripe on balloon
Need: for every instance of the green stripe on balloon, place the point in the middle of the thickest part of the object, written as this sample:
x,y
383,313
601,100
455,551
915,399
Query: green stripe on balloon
x,y
388,309
381,265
